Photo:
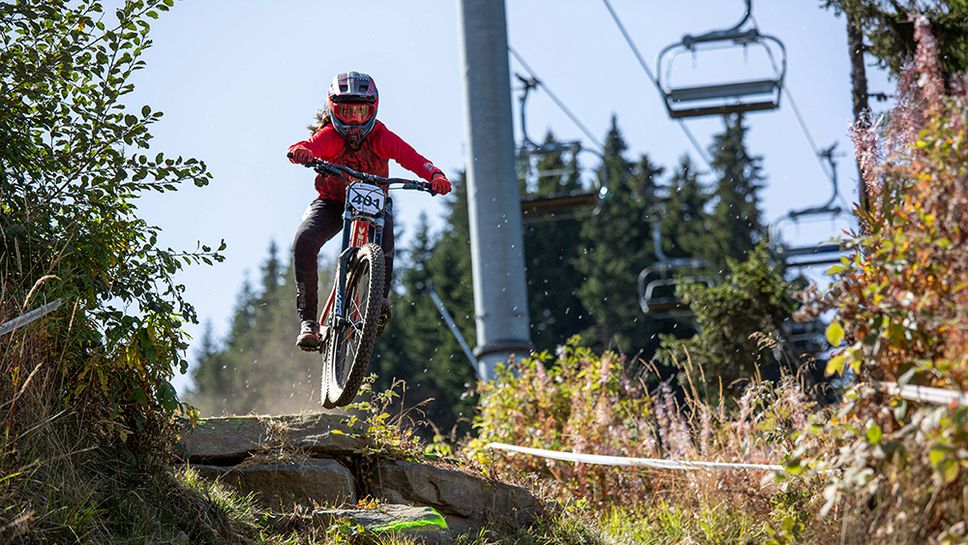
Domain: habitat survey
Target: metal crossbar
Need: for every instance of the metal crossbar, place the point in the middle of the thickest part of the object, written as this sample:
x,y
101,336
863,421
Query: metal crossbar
x,y
31,316
721,91
723,109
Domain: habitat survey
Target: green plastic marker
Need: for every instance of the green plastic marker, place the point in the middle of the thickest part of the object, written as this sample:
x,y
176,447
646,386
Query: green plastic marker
x,y
434,519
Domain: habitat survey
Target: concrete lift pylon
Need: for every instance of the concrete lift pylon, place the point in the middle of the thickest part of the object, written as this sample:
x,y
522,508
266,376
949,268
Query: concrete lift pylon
x,y
493,198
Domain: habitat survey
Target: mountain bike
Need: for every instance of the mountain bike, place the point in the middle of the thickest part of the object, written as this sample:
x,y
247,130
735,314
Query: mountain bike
x,y
348,323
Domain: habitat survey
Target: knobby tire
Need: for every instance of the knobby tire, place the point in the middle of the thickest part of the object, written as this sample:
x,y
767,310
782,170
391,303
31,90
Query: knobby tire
x,y
341,378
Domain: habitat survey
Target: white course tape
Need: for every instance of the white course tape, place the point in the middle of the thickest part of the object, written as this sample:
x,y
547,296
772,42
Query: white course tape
x,y
655,463
35,314
923,394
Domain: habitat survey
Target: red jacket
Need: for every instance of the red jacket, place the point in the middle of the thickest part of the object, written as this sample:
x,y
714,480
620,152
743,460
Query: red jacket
x,y
373,157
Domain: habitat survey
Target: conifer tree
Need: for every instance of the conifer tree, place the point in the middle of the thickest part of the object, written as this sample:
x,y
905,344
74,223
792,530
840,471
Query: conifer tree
x,y
889,31
735,220
684,226
417,346
616,246
272,272
210,374
259,367
406,339
551,250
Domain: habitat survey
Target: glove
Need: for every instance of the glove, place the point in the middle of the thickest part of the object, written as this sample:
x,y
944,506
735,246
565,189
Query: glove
x,y
300,156
440,184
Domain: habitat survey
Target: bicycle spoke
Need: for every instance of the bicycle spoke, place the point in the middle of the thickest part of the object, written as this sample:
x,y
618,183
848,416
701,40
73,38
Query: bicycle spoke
x,y
351,342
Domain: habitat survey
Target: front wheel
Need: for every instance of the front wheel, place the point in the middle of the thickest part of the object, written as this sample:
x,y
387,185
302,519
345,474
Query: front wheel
x,y
346,354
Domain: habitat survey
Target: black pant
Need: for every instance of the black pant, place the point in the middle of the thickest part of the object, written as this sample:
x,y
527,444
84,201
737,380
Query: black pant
x,y
321,221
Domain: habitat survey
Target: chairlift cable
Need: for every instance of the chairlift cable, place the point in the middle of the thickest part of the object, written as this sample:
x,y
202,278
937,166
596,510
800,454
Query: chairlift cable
x,y
800,119
651,76
561,105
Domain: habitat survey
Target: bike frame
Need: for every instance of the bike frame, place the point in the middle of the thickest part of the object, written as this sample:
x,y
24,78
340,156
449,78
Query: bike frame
x,y
358,229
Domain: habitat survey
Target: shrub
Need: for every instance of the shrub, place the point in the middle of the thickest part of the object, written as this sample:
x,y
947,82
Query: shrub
x,y
902,302
73,160
735,318
584,402
87,407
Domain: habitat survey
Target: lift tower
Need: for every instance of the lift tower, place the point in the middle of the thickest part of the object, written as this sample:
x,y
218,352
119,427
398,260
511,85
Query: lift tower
x,y
493,198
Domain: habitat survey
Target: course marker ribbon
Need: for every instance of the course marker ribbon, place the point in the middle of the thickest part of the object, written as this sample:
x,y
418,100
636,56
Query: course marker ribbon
x,y
655,463
923,394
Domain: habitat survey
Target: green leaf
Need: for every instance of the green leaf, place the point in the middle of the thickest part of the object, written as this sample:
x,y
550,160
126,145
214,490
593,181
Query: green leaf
x,y
937,454
167,397
874,433
835,365
948,470
835,334
836,269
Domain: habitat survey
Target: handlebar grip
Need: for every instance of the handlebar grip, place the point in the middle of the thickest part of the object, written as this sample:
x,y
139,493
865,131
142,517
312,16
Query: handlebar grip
x,y
334,169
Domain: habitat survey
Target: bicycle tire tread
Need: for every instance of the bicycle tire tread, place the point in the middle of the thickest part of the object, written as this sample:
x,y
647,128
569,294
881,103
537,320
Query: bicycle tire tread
x,y
373,254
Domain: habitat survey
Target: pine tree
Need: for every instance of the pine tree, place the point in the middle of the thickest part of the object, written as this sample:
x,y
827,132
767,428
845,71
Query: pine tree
x,y
404,340
735,220
210,374
261,369
551,250
214,373
685,225
889,29
450,271
616,246
243,316
271,273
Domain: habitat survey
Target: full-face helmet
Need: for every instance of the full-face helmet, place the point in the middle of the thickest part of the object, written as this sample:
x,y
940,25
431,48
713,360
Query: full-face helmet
x,y
352,102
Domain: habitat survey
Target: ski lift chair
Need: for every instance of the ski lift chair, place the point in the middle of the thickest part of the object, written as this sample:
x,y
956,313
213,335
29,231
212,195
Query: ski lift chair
x,y
805,337
811,255
749,95
658,283
556,206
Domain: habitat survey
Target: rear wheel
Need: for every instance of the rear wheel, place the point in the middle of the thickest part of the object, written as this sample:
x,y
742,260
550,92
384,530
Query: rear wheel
x,y
347,351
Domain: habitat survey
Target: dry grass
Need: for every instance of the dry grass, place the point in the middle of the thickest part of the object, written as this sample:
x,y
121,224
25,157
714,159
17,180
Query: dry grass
x,y
584,402
65,478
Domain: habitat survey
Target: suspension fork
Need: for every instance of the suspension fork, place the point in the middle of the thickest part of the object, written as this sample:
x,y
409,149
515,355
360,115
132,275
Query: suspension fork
x,y
342,266
355,235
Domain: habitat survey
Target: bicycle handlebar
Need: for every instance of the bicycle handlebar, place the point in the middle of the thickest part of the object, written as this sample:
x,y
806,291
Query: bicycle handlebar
x,y
333,169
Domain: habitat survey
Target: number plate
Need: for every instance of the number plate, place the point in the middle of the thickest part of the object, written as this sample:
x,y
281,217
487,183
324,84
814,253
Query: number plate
x,y
366,198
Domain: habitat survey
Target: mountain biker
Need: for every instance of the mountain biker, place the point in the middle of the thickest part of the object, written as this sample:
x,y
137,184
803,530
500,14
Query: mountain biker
x,y
348,133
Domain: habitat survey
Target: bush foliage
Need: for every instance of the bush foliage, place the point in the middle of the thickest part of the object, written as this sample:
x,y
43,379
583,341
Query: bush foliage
x,y
741,325
87,406
902,302
73,160
577,401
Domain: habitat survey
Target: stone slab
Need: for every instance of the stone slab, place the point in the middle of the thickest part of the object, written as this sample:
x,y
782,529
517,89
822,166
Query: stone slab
x,y
479,501
282,485
229,440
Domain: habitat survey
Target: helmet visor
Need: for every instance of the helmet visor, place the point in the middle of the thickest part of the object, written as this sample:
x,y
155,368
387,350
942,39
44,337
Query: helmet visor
x,y
354,113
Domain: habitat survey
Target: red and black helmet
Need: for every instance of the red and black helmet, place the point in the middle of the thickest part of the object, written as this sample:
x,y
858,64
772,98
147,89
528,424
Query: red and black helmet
x,y
352,102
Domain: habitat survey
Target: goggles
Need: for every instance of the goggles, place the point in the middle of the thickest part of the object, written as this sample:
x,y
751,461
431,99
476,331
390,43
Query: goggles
x,y
354,113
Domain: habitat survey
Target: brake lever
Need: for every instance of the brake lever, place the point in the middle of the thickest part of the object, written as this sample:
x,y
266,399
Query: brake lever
x,y
422,186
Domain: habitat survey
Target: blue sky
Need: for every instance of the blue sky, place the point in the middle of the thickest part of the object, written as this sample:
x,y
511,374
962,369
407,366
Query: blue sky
x,y
239,81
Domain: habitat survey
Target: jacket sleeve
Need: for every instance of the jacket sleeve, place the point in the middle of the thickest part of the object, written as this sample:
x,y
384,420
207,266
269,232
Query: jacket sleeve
x,y
325,144
391,146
